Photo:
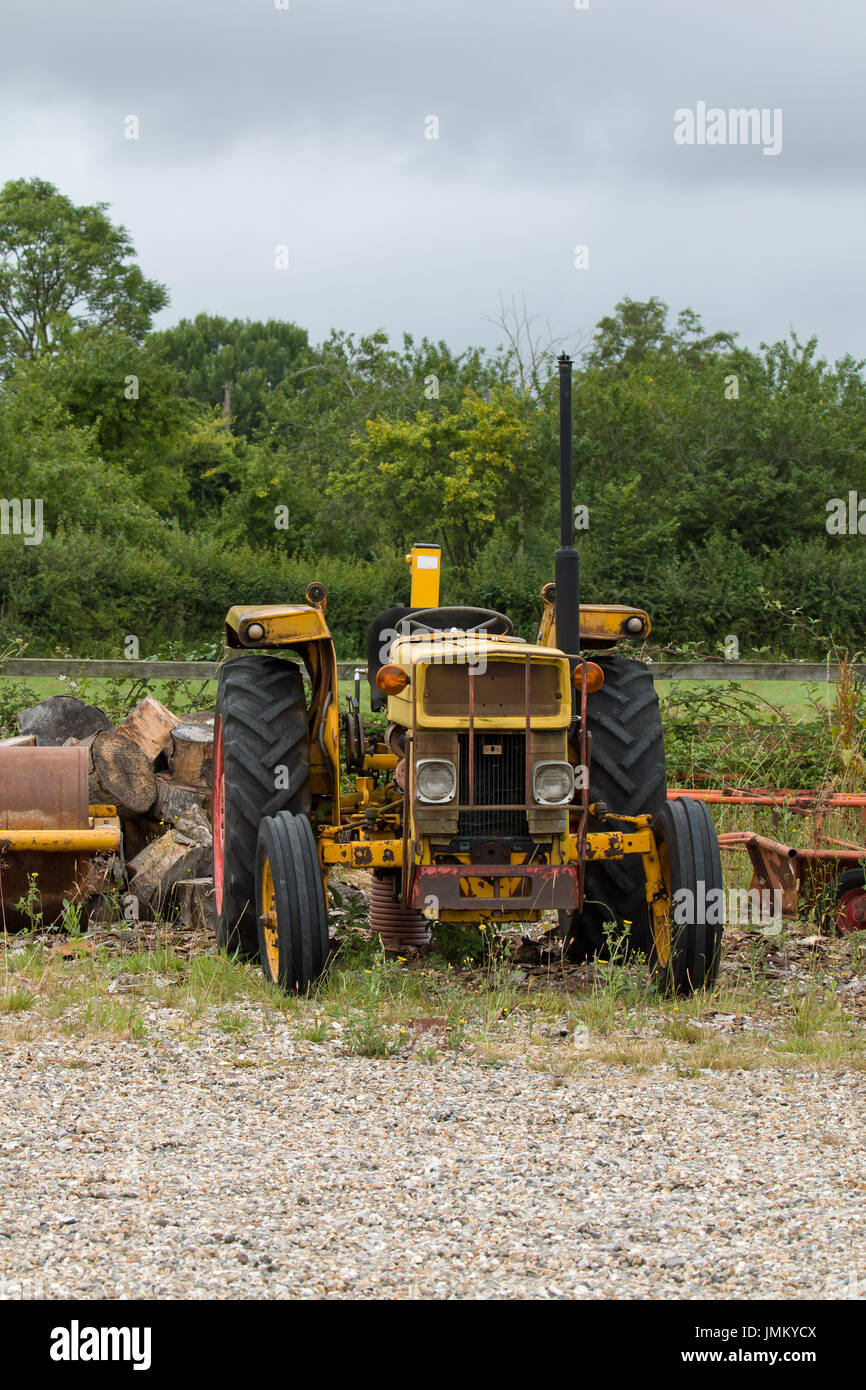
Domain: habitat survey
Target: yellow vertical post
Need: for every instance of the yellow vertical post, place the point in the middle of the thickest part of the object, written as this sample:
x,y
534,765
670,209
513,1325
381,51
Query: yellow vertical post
x,y
424,562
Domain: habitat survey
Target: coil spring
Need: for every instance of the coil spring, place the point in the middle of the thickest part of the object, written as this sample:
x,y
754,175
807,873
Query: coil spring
x,y
398,926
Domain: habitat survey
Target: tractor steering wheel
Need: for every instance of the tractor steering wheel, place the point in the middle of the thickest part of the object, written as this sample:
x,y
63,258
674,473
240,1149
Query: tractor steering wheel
x,y
488,620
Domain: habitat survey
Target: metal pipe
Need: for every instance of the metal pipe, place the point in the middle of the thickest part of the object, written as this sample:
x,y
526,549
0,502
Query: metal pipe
x,y
471,740
566,564
714,796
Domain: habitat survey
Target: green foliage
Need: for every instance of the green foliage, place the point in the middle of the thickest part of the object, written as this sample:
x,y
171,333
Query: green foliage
x,y
129,403
14,696
705,468
725,734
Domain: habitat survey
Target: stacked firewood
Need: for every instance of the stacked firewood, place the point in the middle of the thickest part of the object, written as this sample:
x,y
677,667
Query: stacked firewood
x,y
156,769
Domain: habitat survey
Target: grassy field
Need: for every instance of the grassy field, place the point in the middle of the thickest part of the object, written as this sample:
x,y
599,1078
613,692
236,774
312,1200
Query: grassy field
x,y
799,699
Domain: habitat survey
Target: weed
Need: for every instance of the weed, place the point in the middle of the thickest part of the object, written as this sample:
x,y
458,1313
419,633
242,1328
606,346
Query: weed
x,y
100,1016
70,921
16,999
316,1032
30,906
368,1038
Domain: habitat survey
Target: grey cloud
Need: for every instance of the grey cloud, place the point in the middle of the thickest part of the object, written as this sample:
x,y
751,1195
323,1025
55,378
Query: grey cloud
x,y
556,127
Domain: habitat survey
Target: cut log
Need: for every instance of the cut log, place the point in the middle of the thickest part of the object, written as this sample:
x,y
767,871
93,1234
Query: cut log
x,y
173,798
21,741
192,754
194,826
120,775
195,901
161,865
55,720
149,726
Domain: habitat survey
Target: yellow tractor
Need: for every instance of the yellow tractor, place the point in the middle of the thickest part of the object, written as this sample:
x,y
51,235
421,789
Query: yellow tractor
x,y
513,779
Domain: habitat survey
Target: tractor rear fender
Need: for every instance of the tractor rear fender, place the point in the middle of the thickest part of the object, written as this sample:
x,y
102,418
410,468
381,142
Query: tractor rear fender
x,y
601,625
301,628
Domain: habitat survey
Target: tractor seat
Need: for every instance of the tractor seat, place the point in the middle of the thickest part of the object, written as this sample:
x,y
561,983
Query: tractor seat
x,y
382,631
380,634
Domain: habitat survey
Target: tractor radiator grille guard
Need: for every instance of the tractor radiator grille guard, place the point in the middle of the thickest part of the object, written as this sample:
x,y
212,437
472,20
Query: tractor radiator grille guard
x,y
499,777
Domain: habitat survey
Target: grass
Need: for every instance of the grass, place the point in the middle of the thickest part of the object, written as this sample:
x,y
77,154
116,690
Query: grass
x,y
491,1012
795,698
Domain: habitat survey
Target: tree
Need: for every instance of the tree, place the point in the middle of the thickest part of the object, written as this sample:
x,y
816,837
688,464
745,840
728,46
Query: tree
x,y
255,358
62,268
456,478
130,400
640,328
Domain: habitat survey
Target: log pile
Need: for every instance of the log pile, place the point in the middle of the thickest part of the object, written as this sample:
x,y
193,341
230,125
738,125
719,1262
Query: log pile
x,y
156,769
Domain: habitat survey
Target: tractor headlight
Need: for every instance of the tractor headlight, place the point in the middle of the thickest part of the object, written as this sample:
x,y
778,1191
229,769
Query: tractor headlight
x,y
435,780
553,783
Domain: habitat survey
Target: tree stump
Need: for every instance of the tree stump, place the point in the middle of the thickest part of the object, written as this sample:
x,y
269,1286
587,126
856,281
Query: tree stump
x,y
195,900
173,798
192,754
162,864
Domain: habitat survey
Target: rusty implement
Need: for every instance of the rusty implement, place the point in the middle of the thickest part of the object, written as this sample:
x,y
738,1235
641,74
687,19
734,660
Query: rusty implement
x,y
794,800
801,875
49,836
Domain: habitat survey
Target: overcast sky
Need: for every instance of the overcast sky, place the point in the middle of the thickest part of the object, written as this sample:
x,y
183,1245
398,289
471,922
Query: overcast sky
x,y
305,127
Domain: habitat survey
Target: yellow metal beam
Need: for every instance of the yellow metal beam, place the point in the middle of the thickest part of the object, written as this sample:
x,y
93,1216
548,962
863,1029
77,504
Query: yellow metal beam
x,y
613,844
99,840
363,854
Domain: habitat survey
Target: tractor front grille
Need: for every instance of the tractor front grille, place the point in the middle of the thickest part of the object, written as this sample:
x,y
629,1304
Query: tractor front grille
x,y
500,780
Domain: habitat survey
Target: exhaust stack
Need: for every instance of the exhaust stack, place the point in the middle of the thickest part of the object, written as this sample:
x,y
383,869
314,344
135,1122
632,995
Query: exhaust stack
x,y
567,564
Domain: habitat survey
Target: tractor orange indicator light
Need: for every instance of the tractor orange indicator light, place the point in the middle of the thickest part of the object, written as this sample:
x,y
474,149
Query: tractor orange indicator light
x,y
594,676
392,679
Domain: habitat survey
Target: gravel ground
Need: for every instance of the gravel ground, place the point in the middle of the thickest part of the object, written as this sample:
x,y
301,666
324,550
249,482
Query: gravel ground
x,y
181,1172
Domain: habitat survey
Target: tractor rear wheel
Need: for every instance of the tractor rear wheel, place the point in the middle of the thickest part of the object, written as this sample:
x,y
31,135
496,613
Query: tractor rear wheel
x,y
291,915
686,953
627,773
261,767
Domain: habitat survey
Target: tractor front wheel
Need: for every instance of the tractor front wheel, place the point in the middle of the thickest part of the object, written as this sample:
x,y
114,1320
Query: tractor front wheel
x,y
686,951
290,903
